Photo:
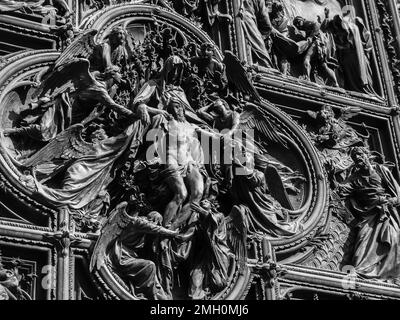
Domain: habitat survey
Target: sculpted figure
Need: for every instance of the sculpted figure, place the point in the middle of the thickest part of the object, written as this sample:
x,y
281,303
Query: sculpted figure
x,y
262,35
37,6
320,56
373,196
211,255
154,95
354,47
264,214
260,134
311,9
257,28
183,164
123,242
86,84
285,49
210,70
335,138
206,10
10,286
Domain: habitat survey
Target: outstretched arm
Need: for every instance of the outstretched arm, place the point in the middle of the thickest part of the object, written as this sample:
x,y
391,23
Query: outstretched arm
x,y
149,227
204,113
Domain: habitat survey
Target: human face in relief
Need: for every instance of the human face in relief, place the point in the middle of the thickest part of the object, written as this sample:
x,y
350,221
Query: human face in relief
x,y
118,37
177,111
220,108
361,159
208,52
326,114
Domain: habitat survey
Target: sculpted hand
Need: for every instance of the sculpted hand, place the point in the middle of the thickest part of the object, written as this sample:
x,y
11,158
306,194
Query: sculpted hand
x,y
165,114
143,114
117,77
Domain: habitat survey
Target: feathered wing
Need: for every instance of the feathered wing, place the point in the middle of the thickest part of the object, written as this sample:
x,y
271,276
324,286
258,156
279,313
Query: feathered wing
x,y
71,75
115,225
236,224
253,118
70,67
349,112
82,47
67,145
238,76
276,187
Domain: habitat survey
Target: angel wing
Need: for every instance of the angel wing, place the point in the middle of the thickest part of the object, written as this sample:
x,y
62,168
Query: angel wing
x,y
276,187
72,66
72,75
238,76
349,112
116,223
66,145
236,224
253,118
82,47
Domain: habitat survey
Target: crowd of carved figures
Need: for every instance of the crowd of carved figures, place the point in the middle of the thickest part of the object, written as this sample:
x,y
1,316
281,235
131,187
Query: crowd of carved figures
x,y
165,220
365,193
332,49
176,228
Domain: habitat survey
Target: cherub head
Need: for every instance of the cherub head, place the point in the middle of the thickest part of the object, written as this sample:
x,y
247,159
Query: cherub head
x,y
207,50
326,113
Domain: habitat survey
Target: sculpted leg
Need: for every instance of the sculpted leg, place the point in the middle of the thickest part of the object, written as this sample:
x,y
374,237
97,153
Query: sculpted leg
x,y
195,182
330,75
177,186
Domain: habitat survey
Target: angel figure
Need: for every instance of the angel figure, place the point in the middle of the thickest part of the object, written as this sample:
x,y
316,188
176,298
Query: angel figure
x,y
264,214
205,250
335,137
260,132
74,172
210,70
354,47
218,241
72,75
123,242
